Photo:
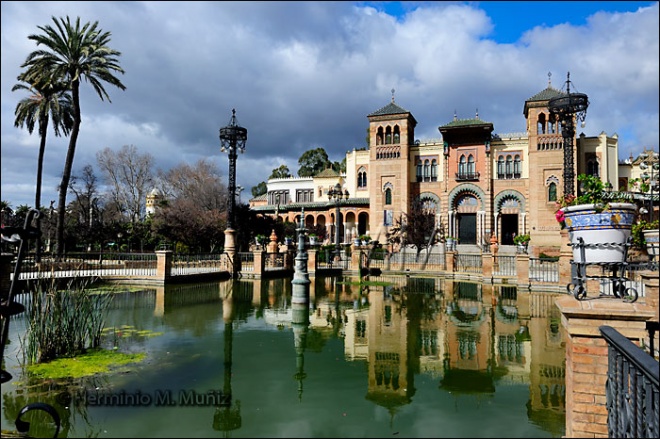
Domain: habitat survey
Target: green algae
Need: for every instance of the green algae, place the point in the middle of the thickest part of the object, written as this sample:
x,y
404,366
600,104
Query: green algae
x,y
91,363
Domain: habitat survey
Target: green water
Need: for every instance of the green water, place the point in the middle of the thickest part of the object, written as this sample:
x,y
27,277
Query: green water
x,y
422,357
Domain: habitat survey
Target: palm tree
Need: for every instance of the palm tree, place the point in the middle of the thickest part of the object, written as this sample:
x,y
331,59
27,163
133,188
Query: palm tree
x,y
47,99
73,52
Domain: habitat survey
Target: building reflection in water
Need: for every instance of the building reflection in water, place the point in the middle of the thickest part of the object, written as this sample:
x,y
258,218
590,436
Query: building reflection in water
x,y
472,337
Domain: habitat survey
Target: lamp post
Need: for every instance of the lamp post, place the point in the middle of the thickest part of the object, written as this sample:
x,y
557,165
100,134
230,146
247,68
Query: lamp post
x,y
336,194
650,177
569,108
232,140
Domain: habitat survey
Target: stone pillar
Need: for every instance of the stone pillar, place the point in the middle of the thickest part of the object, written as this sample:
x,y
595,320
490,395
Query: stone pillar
x,y
586,356
522,269
163,265
565,258
487,264
230,250
450,258
650,281
259,262
355,258
312,254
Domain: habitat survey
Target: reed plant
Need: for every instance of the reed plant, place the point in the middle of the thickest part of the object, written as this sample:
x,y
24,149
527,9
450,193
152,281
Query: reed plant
x,y
64,322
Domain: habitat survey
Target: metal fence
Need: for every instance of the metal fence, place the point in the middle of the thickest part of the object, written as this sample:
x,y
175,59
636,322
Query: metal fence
x,y
543,270
183,264
247,261
90,265
469,263
632,388
504,265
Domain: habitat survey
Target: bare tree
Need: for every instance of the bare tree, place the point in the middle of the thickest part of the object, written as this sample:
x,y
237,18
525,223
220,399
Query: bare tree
x,y
195,211
130,177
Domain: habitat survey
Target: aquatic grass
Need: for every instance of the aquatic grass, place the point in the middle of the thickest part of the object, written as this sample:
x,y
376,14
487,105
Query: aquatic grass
x,y
63,322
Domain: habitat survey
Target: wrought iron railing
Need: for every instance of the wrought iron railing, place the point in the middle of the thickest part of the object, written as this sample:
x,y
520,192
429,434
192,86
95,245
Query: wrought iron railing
x,y
632,388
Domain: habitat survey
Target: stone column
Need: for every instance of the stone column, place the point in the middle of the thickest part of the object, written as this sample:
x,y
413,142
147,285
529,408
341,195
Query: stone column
x,y
487,260
565,258
586,357
163,265
230,250
259,262
522,269
450,257
312,254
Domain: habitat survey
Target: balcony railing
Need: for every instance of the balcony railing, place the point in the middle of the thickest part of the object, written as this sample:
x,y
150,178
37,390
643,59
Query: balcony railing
x,y
467,176
631,388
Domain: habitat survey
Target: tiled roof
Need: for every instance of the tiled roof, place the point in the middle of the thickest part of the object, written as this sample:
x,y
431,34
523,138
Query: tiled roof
x,y
327,172
466,122
546,94
390,108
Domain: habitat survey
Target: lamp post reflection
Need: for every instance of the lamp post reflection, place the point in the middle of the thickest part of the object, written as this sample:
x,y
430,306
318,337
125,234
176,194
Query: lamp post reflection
x,y
228,416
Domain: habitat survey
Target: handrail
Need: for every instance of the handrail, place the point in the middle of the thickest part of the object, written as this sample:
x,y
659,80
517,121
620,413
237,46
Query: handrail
x,y
632,388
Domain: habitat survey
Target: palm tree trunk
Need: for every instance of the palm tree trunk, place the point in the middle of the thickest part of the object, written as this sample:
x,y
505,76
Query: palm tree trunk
x,y
43,127
68,164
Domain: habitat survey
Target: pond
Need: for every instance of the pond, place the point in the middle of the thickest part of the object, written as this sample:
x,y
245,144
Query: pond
x,y
408,356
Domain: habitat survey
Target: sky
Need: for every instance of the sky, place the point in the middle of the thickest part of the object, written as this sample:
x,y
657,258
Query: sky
x,y
305,75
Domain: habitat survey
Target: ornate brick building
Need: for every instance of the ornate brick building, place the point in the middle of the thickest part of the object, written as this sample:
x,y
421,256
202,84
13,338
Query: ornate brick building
x,y
478,183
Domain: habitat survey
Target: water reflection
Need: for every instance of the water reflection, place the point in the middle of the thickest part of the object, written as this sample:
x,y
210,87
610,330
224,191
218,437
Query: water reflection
x,y
416,357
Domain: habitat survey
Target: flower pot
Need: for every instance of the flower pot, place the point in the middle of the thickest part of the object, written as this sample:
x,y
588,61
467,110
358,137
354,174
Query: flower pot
x,y
652,242
605,233
312,240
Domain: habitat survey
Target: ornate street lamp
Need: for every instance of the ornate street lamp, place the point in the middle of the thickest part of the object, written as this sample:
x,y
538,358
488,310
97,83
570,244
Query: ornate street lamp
x,y
232,140
336,194
569,108
651,178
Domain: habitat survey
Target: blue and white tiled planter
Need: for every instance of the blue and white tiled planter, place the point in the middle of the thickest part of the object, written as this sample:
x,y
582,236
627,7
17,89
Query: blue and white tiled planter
x,y
652,239
605,233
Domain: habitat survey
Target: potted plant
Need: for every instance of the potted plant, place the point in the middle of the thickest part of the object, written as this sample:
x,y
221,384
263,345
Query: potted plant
x,y
522,241
599,222
645,235
260,240
312,238
364,239
450,242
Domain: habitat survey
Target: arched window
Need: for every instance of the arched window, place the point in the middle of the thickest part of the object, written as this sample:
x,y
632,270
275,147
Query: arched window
x,y
362,178
379,136
540,125
397,135
593,168
427,170
516,166
471,169
552,192
419,170
462,165
388,196
434,170
500,167
388,135
509,167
